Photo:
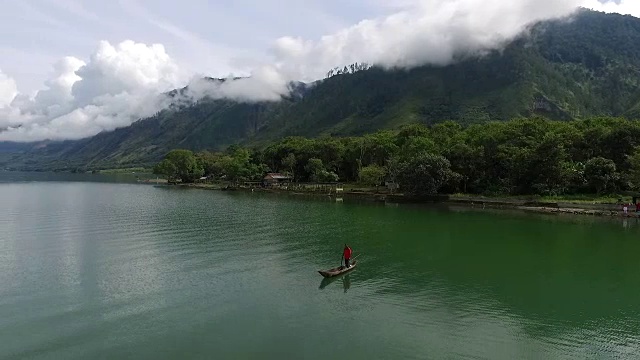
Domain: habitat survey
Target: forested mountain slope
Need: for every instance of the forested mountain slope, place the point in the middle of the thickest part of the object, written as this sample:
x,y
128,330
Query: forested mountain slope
x,y
563,70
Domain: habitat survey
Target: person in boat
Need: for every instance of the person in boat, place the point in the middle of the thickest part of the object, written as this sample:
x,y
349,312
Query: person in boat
x,y
346,254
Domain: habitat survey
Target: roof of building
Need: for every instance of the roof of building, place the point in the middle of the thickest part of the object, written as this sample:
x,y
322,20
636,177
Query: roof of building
x,y
277,176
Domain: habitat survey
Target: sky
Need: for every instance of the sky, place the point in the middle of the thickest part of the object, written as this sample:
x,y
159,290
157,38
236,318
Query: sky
x,y
73,68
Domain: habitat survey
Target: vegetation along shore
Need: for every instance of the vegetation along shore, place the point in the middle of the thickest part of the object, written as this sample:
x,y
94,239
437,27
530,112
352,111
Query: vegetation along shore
x,y
524,161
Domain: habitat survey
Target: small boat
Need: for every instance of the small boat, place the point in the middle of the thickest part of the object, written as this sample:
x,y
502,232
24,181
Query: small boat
x,y
337,270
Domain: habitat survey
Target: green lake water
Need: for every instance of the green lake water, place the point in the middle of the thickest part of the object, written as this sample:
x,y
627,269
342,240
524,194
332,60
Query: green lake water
x,y
98,267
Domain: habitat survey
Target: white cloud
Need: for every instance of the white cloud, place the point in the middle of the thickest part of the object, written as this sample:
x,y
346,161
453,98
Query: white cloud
x,y
120,84
424,32
624,7
127,68
8,90
264,84
117,86
52,101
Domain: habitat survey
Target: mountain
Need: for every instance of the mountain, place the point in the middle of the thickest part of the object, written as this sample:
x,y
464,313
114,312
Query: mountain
x,y
563,69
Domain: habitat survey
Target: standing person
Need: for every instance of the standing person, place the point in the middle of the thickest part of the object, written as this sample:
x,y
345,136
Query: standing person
x,y
346,254
624,209
638,207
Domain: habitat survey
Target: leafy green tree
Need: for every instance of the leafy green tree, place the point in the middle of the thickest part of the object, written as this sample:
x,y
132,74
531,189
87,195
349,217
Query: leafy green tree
x,y
634,169
392,168
424,174
542,169
232,169
327,177
381,146
210,163
257,171
448,134
289,162
419,145
600,174
410,131
238,166
329,150
372,175
573,179
317,172
468,162
314,167
180,165
168,169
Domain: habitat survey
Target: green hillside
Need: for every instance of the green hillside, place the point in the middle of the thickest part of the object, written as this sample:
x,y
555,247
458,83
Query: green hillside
x,y
561,70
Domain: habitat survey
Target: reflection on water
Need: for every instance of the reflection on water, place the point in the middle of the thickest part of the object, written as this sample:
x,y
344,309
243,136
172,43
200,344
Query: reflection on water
x,y
344,279
630,223
326,282
346,282
7,177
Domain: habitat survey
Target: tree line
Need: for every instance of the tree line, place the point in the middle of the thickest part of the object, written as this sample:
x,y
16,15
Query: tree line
x,y
519,157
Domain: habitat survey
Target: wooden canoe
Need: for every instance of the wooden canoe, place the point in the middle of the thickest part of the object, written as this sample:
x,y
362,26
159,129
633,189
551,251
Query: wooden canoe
x,y
337,270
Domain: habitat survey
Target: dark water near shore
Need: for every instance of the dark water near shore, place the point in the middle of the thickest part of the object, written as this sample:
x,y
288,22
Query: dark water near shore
x,y
109,270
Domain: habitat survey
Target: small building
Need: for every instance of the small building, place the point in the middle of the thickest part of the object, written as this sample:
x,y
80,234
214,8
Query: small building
x,y
202,179
272,179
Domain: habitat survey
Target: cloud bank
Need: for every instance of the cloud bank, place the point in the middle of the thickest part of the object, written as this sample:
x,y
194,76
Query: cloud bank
x,y
118,85
428,32
122,83
8,90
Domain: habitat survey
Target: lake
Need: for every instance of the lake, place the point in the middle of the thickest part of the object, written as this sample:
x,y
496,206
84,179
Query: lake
x,y
93,267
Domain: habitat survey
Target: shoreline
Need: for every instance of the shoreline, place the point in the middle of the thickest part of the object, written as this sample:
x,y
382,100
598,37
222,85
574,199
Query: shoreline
x,y
506,203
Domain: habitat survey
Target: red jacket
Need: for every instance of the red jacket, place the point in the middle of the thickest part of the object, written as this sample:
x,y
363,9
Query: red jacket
x,y
347,253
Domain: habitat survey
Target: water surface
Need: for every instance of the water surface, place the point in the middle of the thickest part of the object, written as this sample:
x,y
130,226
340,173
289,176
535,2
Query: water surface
x,y
92,269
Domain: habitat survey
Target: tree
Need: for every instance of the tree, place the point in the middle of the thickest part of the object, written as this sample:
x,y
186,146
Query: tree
x,y
238,165
634,169
180,165
317,172
289,162
417,145
600,174
314,166
523,157
467,162
573,179
548,159
424,174
168,169
327,177
392,168
210,163
372,175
